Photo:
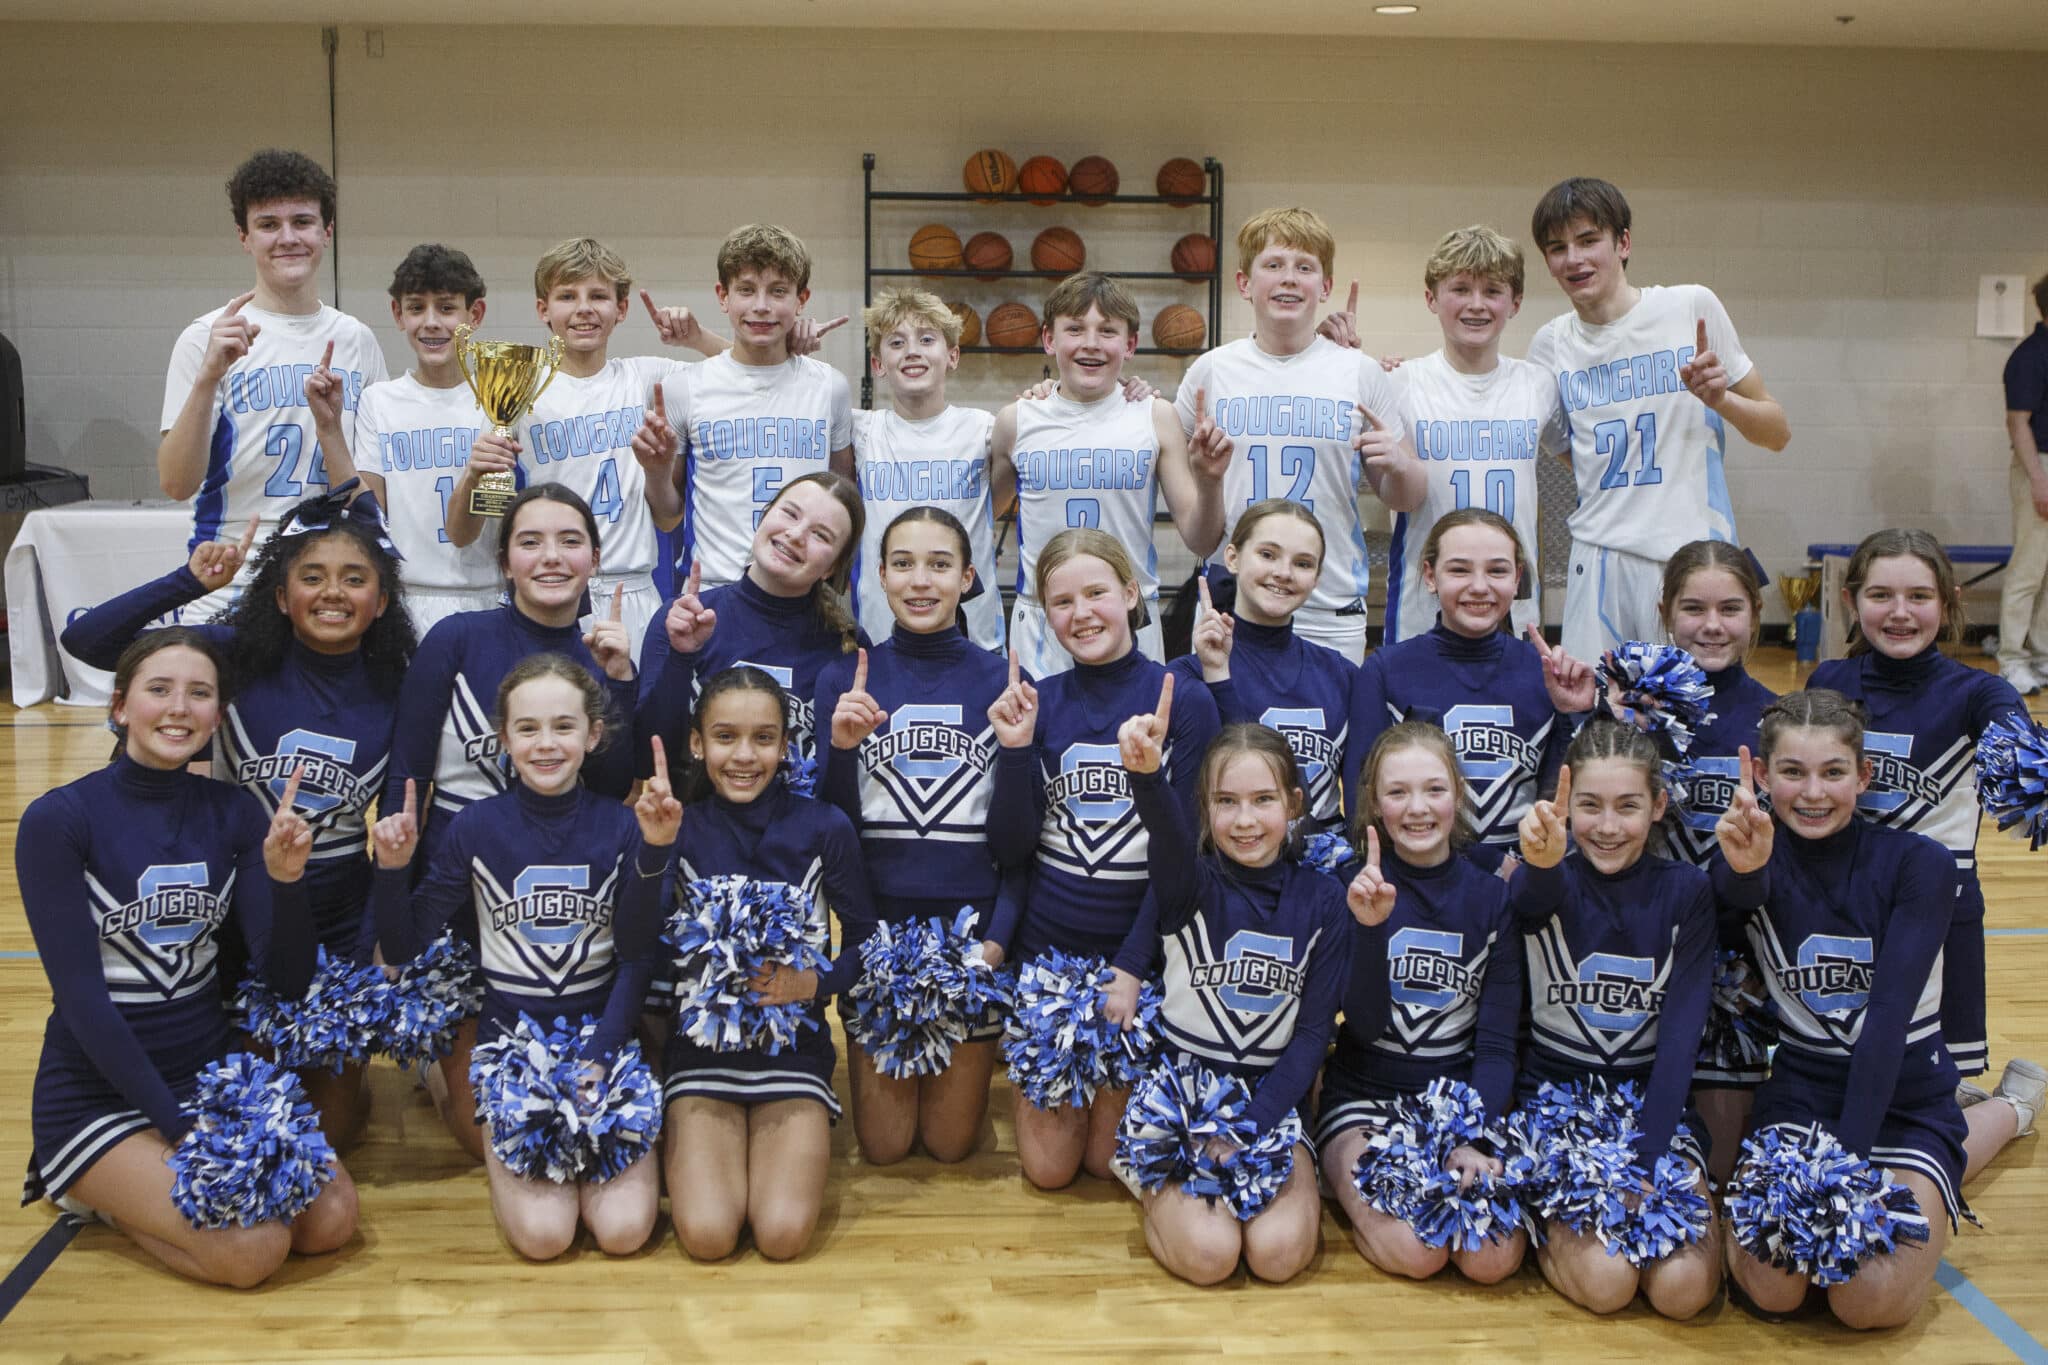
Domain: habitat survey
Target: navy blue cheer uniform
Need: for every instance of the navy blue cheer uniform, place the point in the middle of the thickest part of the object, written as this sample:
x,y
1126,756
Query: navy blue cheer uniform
x,y
1435,991
551,882
1849,930
129,876
1063,807
1621,967
778,837
1925,716
1303,690
319,712
1488,696
1255,958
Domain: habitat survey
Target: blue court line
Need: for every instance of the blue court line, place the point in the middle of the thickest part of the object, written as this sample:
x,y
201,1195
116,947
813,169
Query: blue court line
x,y
23,1277
19,956
2014,933
1978,1305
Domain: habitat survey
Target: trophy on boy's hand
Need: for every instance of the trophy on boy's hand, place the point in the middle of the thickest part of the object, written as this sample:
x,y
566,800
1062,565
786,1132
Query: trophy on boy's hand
x,y
1800,593
506,377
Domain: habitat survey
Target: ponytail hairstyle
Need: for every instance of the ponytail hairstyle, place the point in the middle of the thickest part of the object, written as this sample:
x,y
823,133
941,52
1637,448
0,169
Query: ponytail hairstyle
x,y
937,516
1409,734
1696,555
1249,737
1815,709
1909,542
138,653
1080,542
740,678
830,601
1605,737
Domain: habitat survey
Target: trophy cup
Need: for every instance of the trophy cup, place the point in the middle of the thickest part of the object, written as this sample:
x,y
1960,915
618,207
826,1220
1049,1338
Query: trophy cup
x,y
1800,593
505,377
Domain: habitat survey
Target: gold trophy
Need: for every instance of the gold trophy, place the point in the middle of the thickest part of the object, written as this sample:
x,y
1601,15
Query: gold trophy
x,y
506,378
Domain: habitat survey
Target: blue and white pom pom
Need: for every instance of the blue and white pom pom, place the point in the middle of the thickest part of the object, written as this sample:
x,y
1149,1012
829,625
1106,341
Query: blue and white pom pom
x,y
924,985
1581,1140
527,1086
431,997
2012,777
799,772
337,1021
1176,1112
623,1123
1327,850
1741,1030
1059,1045
254,1153
1404,1173
727,929
1660,687
1800,1201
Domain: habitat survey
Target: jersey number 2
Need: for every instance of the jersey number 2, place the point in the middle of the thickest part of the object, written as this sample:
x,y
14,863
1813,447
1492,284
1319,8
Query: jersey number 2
x,y
1611,439
286,444
1297,462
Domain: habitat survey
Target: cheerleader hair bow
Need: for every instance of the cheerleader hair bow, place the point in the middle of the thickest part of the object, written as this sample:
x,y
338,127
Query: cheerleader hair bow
x,y
923,986
2012,777
727,930
1800,1201
1404,1171
1179,1115
254,1153
341,504
1657,687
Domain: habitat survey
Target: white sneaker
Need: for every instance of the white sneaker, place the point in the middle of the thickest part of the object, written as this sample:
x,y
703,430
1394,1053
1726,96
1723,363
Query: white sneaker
x,y
2023,679
2023,1085
1970,1093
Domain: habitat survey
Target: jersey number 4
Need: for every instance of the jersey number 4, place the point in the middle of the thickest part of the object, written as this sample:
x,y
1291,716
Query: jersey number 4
x,y
287,445
1611,439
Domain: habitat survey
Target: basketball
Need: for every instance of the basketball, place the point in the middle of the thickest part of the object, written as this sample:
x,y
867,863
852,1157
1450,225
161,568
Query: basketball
x,y
987,251
1012,325
1182,181
1044,175
991,172
1179,328
935,247
1093,179
1058,248
1193,254
970,323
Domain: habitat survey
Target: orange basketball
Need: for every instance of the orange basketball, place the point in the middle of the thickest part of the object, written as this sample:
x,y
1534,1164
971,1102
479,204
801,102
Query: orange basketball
x,y
1058,248
1179,328
935,247
1093,179
1182,181
1042,175
990,172
970,323
1193,254
987,251
1012,325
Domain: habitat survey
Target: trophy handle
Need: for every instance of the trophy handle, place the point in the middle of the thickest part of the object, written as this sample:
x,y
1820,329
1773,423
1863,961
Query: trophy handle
x,y
463,332
556,349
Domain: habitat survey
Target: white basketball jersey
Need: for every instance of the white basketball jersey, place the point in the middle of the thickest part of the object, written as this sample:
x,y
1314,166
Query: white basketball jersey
x,y
941,461
1647,454
419,438
746,431
580,435
1292,418
262,455
1086,464
1478,437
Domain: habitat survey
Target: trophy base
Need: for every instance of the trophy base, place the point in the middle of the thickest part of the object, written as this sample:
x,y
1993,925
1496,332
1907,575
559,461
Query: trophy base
x,y
492,495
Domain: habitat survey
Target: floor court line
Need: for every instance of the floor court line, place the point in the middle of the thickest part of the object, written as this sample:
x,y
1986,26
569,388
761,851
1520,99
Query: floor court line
x,y
48,1247
1996,1320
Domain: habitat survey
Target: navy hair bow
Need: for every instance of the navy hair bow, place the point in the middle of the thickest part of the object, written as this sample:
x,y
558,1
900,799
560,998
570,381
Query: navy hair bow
x,y
318,514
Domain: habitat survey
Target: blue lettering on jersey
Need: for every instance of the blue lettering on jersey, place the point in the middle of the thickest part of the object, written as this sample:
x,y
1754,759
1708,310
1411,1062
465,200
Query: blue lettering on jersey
x,y
1092,783
427,448
762,438
270,387
1477,441
1257,974
1622,381
550,906
1486,743
1302,726
1612,993
1426,967
1283,414
1893,779
1832,974
322,763
922,481
1057,470
926,742
594,433
172,907
1711,790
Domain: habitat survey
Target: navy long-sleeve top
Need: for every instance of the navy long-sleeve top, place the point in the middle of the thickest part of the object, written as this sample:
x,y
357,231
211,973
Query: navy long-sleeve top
x,y
1436,990
1848,932
128,876
1621,968
557,882
1063,805
320,713
1303,690
1488,696
1738,706
1256,957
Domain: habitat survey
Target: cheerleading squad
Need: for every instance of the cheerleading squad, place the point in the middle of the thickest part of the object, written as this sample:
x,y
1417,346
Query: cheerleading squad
x,y
1248,929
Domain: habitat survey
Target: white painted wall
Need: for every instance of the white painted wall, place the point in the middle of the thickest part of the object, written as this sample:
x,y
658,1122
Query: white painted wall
x,y
1843,203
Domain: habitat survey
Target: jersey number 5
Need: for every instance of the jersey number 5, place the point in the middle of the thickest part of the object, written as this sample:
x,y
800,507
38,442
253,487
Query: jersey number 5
x,y
1611,439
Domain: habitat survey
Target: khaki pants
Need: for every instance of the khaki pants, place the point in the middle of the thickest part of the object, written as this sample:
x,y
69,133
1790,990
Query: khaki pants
x,y
2022,605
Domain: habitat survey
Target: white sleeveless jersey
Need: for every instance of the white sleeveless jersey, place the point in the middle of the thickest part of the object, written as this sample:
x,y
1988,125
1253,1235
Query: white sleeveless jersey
x,y
1478,437
419,438
1647,454
746,431
1086,464
939,462
262,456
580,435
1292,418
